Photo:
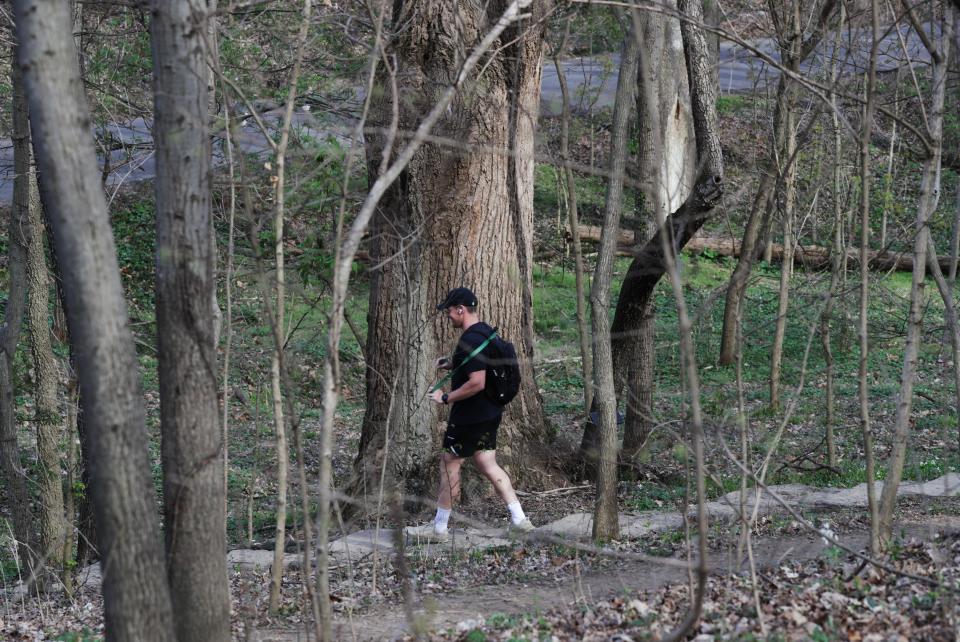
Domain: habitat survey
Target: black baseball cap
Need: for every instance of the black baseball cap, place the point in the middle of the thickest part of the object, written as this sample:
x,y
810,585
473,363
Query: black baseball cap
x,y
458,296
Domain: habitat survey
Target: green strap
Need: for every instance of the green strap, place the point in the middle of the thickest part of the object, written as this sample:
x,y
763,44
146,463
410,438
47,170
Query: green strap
x,y
475,352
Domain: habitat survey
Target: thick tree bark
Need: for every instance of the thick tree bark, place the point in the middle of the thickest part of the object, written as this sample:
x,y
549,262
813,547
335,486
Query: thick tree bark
x,y
929,194
451,219
18,241
136,597
606,524
53,531
186,334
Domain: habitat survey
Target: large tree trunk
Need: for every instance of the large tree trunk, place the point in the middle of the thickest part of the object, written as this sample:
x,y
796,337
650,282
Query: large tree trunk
x,y
451,219
667,149
650,263
136,597
17,242
186,335
929,194
53,531
667,167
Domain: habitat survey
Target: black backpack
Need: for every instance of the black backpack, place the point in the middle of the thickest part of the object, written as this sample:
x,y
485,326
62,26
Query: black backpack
x,y
503,370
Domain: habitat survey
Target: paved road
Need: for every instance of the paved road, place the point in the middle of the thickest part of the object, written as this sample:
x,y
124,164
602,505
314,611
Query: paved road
x,y
592,80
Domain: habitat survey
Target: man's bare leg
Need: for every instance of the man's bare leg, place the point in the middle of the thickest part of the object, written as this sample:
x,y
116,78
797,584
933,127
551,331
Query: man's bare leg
x,y
486,461
449,480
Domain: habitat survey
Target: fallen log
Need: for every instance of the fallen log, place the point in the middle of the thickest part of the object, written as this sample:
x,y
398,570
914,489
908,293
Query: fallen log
x,y
810,257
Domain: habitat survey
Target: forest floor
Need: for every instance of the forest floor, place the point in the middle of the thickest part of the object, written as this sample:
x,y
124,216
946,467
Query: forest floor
x,y
548,587
802,581
539,589
553,586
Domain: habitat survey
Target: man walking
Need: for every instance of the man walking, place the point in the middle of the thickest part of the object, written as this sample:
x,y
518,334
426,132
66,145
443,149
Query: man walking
x,y
473,421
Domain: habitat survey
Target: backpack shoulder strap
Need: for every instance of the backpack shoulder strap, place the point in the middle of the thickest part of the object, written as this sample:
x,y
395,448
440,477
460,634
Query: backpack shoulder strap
x,y
470,356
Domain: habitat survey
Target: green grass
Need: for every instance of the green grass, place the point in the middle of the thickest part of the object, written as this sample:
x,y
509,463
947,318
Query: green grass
x,y
561,379
656,497
557,346
77,636
731,103
549,197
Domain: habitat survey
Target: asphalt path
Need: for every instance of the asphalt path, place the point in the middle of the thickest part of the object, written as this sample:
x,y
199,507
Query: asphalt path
x,y
592,81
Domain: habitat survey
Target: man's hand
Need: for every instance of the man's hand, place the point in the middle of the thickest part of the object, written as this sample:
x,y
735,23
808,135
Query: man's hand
x,y
443,363
437,396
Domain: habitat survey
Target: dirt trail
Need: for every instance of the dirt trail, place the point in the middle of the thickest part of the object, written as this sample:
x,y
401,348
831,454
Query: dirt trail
x,y
477,603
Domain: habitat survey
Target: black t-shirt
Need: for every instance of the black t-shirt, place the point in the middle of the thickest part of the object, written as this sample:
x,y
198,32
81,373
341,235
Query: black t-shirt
x,y
479,407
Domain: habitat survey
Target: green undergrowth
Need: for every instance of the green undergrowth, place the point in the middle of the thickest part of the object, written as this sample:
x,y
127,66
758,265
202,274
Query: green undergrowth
x,y
934,433
557,361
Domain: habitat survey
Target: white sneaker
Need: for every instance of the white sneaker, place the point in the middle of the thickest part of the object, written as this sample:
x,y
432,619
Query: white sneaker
x,y
426,533
517,530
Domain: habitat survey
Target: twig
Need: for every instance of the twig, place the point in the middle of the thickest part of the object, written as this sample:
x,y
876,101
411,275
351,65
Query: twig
x,y
553,491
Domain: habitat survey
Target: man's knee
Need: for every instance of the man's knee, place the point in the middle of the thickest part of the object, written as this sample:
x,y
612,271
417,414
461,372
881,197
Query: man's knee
x,y
486,462
449,460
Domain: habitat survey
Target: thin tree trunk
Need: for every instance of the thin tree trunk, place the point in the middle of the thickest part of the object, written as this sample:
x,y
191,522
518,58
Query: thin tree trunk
x,y
605,515
228,296
703,102
186,328
866,128
755,222
955,238
795,48
786,267
783,302
70,504
278,317
835,265
18,241
929,194
953,325
279,421
888,177
136,597
583,330
47,416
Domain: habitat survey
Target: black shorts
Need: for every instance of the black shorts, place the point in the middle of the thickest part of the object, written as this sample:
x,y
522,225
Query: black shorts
x,y
465,440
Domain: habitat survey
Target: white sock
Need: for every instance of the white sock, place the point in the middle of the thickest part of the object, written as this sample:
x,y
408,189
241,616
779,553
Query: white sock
x,y
516,512
441,520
